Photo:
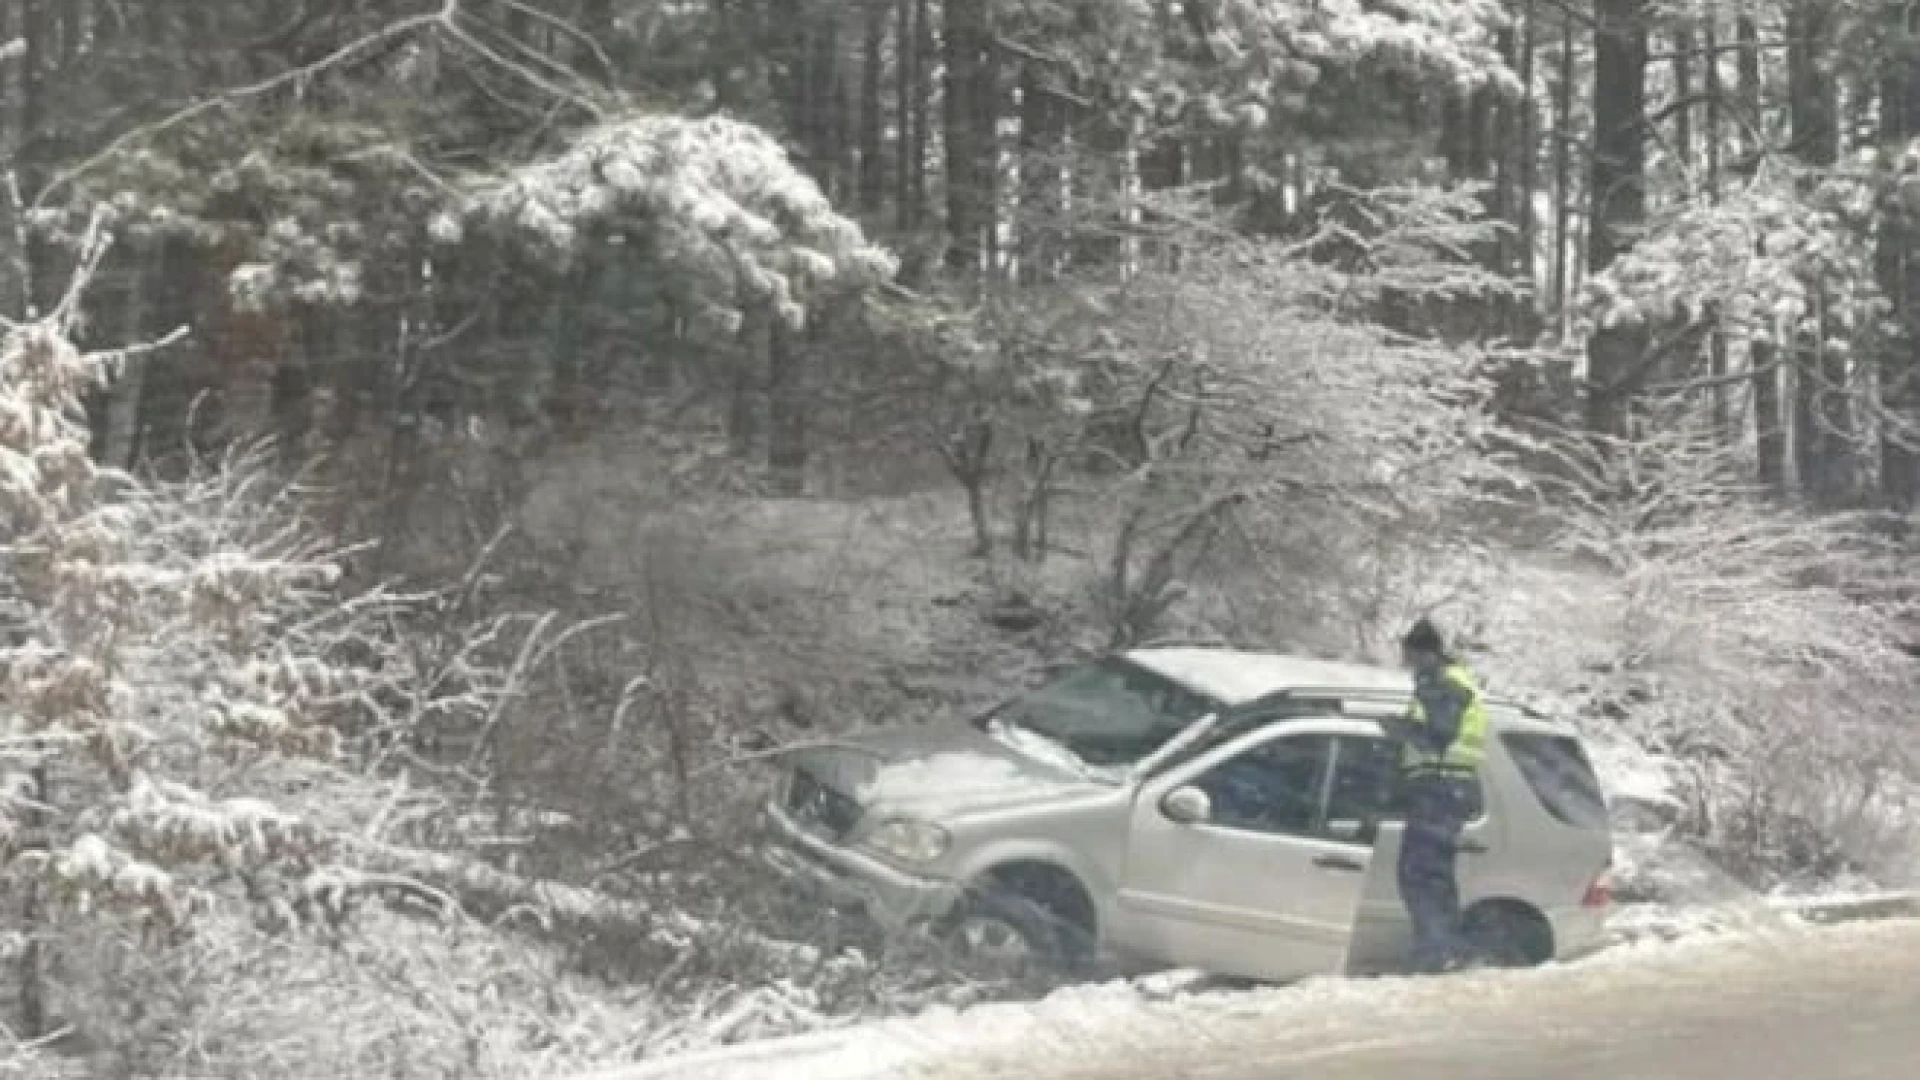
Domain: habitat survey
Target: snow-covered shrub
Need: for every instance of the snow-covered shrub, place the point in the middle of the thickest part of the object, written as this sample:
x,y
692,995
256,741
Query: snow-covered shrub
x,y
1757,649
169,679
396,997
200,724
1280,425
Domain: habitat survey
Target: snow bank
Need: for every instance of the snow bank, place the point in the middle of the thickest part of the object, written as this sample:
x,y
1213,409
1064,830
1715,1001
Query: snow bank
x,y
1630,773
1174,1009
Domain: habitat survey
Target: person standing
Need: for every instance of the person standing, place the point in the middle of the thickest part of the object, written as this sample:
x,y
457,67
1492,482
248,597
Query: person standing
x,y
1442,743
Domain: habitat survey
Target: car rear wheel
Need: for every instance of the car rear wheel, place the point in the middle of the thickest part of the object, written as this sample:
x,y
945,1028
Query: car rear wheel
x,y
1507,935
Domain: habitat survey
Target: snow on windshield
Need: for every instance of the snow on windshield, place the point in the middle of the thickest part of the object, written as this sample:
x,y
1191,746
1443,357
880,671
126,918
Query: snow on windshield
x,y
1045,750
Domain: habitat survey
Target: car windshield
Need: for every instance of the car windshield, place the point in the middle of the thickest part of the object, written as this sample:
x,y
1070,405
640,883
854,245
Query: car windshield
x,y
1107,713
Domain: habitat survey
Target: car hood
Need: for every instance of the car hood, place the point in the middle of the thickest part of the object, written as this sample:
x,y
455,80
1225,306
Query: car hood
x,y
947,769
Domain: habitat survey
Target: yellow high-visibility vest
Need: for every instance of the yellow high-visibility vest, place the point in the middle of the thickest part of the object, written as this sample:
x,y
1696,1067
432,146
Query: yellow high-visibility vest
x,y
1469,747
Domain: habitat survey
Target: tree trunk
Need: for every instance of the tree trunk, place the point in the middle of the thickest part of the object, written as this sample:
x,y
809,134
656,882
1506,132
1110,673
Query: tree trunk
x,y
724,47
971,108
786,408
485,890
968,454
743,401
1895,264
120,436
1683,55
1617,196
1033,515
1563,179
35,1018
1770,439
1717,359
1042,209
567,403
1822,418
828,101
873,163
1099,188
1746,37
924,56
977,512
1720,407
414,306
1526,150
906,97
1710,83
1456,145
29,164
1769,429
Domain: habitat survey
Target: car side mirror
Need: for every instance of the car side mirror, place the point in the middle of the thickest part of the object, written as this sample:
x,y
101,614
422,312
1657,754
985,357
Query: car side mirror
x,y
1187,806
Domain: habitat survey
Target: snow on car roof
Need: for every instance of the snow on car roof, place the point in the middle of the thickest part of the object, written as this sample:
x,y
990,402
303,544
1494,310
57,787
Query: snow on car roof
x,y
1235,676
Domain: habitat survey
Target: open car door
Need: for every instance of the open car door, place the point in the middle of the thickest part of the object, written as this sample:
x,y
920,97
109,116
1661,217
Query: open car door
x,y
1368,798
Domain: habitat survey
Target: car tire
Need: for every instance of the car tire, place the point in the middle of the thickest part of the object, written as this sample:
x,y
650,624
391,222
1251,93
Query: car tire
x,y
997,934
1502,937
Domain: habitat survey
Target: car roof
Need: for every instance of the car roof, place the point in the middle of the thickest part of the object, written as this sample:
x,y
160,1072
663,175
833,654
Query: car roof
x,y
1237,677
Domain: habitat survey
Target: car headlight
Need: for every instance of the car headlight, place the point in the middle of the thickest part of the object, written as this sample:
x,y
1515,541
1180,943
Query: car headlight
x,y
909,841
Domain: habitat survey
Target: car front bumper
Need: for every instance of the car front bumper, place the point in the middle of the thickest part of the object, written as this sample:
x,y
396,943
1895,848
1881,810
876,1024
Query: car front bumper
x,y
895,898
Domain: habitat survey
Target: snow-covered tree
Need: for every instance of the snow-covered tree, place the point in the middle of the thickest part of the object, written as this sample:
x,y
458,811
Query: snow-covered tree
x,y
718,199
193,708
147,652
1755,261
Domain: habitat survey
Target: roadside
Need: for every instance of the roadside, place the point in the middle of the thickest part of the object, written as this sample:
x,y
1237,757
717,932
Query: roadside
x,y
1836,1004
1174,1013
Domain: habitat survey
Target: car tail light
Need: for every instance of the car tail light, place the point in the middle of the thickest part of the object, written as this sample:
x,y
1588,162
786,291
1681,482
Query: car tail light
x,y
1600,892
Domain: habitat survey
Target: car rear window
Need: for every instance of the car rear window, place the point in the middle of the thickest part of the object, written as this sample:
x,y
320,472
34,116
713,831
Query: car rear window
x,y
1557,769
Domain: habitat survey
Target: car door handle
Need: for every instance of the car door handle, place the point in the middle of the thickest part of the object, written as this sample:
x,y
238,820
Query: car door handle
x,y
1470,847
1339,862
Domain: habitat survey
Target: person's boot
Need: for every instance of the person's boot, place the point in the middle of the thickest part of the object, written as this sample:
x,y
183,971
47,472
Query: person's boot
x,y
1463,957
1427,962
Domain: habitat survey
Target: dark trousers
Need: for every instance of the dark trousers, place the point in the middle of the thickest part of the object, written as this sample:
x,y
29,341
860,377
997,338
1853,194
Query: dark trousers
x,y
1436,812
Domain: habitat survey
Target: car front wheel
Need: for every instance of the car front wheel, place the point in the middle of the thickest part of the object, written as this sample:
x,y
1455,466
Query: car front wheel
x,y
1003,935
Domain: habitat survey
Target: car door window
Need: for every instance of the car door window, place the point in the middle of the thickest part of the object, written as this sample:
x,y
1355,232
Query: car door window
x,y
1276,787
1367,787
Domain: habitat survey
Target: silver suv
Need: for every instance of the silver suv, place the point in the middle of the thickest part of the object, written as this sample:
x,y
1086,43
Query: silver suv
x,y
1232,811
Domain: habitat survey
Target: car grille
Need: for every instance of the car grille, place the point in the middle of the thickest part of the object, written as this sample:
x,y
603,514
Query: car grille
x,y
819,807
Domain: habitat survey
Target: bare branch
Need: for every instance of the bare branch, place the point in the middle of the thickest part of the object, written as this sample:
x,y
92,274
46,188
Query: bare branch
x,y
579,36
452,29
22,264
787,750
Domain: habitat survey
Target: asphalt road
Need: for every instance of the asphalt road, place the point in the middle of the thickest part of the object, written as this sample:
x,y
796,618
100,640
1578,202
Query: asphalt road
x,y
1841,1004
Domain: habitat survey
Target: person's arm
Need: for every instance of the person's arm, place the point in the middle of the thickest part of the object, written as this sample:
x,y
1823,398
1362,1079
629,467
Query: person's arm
x,y
1445,703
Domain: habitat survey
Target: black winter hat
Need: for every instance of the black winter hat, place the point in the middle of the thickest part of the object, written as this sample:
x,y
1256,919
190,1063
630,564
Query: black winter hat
x,y
1424,637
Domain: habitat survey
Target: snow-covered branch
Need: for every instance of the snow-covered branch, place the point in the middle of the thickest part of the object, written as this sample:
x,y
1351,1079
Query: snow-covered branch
x,y
725,205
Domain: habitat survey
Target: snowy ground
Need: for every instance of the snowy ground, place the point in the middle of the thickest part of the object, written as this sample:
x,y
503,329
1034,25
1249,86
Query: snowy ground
x,y
1185,1008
